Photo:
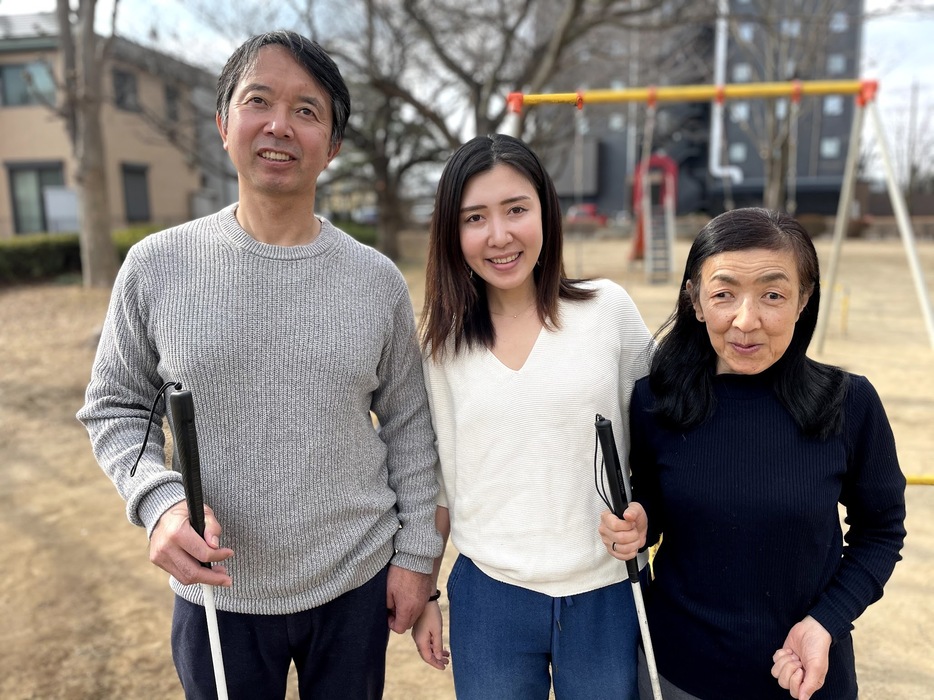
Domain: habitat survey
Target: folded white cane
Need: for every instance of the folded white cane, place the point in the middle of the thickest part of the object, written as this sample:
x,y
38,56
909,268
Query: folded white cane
x,y
186,445
620,502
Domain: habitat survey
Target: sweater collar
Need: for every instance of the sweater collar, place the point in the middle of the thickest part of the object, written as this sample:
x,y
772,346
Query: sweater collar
x,y
747,385
233,232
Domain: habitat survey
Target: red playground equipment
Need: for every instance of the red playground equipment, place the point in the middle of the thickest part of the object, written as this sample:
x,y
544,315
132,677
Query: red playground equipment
x,y
662,170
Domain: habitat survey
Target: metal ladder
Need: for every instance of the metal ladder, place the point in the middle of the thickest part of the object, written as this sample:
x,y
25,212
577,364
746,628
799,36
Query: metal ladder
x,y
659,245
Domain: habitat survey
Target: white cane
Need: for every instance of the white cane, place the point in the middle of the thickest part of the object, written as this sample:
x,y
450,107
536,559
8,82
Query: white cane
x,y
620,502
186,444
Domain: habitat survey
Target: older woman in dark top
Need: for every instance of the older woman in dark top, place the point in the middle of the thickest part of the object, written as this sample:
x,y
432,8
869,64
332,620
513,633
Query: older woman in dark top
x,y
742,449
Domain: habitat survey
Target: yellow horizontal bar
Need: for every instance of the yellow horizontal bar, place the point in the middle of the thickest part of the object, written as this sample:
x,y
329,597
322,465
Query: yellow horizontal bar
x,y
921,480
700,93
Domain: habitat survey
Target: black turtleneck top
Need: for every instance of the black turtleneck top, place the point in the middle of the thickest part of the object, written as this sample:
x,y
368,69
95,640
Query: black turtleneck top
x,y
747,507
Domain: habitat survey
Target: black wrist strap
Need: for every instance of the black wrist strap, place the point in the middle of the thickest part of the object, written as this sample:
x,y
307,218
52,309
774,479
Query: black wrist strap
x,y
435,596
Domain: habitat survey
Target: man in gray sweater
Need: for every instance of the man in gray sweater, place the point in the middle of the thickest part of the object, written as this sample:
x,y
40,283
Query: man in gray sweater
x,y
291,336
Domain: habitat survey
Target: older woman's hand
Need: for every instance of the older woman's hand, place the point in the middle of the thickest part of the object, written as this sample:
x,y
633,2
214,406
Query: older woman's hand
x,y
624,537
800,666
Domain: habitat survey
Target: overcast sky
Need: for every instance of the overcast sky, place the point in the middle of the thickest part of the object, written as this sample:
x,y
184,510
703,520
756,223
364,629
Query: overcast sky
x,y
897,48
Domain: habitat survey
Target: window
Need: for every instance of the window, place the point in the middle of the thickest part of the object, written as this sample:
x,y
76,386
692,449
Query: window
x,y
737,152
833,105
28,183
839,22
125,92
617,122
739,111
742,73
171,103
135,192
781,108
830,147
790,27
27,84
747,32
836,64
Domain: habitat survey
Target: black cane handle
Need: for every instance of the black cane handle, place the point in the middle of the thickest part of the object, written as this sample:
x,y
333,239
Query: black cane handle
x,y
614,473
189,463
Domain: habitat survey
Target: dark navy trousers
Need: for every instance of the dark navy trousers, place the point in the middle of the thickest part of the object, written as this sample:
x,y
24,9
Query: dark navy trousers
x,y
339,648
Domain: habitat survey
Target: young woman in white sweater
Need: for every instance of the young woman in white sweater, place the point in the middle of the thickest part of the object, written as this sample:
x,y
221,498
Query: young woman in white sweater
x,y
518,361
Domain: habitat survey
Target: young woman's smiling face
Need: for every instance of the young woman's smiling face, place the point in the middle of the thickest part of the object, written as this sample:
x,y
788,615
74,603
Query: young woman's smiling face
x,y
501,228
750,301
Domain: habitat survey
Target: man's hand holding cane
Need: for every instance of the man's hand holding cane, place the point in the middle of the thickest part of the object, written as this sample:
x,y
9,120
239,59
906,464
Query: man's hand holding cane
x,y
179,550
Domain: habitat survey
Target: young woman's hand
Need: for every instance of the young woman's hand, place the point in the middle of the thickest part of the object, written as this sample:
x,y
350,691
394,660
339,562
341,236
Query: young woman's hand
x,y
624,537
427,635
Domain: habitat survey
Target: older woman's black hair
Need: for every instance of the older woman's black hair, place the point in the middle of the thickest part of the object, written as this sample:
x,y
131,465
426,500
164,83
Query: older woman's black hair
x,y
308,54
684,365
455,300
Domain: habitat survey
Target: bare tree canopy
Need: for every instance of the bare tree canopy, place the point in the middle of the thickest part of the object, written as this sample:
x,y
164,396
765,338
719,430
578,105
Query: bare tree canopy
x,y
79,96
427,75
779,41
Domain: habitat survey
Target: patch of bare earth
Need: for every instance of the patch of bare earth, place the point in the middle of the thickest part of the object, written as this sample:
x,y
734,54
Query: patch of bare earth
x,y
84,614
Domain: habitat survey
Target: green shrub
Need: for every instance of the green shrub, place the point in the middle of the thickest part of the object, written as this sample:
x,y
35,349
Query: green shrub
x,y
38,256
364,233
46,256
125,238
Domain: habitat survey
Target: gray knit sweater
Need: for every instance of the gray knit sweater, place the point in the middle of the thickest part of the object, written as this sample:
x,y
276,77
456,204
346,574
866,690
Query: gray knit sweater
x,y
286,351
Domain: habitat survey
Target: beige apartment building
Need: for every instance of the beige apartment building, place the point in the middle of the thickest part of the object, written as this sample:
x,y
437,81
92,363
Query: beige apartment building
x,y
165,161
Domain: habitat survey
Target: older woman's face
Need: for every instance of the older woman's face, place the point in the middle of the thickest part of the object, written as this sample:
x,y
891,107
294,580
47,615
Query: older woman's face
x,y
750,302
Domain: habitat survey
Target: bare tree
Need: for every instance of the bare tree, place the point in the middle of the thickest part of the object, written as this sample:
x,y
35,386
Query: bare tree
x,y
426,75
907,110
916,147
780,41
83,54
911,145
78,100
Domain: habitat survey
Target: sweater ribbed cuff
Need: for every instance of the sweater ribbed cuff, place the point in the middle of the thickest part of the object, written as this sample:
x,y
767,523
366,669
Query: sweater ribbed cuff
x,y
837,625
412,562
158,501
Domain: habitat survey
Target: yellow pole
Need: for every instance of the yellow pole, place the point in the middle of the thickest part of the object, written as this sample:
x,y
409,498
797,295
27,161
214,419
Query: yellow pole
x,y
698,93
921,480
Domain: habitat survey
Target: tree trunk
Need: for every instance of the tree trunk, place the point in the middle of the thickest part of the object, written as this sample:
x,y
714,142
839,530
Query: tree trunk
x,y
775,165
781,177
99,262
776,177
391,220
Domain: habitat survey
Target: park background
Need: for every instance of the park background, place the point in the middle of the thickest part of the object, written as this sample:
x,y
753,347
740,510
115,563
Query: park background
x,y
84,613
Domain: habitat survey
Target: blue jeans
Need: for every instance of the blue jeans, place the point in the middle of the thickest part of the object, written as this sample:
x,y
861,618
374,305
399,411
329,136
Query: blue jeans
x,y
339,648
510,643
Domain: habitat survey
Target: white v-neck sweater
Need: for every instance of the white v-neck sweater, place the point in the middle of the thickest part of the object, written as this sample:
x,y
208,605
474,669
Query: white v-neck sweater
x,y
516,447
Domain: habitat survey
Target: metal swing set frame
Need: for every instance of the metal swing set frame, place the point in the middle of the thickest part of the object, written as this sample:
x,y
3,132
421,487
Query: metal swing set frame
x,y
864,93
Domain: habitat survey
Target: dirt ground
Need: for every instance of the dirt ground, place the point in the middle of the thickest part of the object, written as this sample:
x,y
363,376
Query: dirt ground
x,y
84,615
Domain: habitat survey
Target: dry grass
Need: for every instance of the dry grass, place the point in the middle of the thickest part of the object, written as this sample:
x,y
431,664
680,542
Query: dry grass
x,y
86,616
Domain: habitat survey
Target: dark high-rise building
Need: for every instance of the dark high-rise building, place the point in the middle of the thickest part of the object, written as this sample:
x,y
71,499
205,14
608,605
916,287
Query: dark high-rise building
x,y
593,153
